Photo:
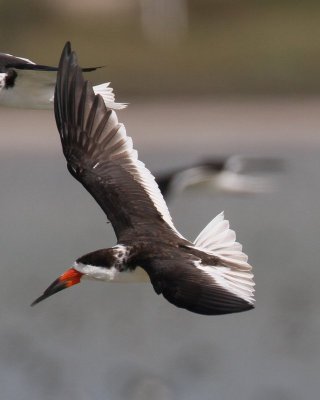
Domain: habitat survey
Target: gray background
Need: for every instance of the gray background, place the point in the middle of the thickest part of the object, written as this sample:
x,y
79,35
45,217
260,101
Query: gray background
x,y
109,341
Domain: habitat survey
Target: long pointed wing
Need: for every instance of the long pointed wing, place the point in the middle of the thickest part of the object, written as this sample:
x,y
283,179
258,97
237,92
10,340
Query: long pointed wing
x,y
100,156
10,61
187,286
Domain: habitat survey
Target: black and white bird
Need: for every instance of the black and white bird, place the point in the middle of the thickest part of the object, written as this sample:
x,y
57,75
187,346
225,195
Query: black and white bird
x,y
234,174
209,276
24,84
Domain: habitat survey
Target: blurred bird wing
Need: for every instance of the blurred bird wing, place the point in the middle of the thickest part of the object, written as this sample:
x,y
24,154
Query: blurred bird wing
x,y
10,61
241,164
32,89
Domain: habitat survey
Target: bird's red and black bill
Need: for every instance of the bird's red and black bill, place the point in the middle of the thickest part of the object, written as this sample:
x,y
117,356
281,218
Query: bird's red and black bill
x,y
67,279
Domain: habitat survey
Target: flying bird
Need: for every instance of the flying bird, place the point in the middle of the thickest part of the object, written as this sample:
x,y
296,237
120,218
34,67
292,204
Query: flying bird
x,y
209,276
234,174
24,84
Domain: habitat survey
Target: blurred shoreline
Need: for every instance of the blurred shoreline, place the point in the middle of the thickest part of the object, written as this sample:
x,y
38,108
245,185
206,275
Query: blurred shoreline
x,y
233,125
220,47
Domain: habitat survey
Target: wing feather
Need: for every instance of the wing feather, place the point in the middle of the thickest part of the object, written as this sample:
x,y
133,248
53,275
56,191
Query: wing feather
x,y
186,286
101,156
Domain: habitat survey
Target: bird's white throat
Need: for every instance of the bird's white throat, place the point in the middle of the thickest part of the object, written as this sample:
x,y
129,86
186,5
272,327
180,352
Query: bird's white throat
x,y
112,274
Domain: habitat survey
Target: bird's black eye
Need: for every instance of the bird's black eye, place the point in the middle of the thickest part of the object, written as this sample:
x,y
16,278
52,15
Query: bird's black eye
x,y
10,78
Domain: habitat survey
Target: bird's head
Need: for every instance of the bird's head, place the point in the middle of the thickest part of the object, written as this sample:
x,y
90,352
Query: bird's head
x,y
98,265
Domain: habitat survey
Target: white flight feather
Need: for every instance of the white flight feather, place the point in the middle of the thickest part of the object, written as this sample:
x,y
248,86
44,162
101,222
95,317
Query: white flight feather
x,y
106,92
129,159
234,272
107,95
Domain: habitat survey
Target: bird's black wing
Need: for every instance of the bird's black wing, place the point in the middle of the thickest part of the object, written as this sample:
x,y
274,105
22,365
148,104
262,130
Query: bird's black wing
x,y
39,67
186,286
100,156
8,61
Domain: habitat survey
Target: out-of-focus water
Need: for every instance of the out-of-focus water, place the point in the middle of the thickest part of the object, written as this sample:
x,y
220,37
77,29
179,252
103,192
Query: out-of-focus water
x,y
100,341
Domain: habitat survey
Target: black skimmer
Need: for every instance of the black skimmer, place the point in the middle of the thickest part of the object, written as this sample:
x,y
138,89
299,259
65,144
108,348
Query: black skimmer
x,y
234,174
25,84
209,276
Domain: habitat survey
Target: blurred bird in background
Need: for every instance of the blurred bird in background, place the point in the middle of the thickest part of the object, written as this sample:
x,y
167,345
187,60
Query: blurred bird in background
x,y
235,174
25,84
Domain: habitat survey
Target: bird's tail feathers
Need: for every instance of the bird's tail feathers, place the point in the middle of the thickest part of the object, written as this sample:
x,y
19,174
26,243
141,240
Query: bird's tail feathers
x,y
217,237
233,272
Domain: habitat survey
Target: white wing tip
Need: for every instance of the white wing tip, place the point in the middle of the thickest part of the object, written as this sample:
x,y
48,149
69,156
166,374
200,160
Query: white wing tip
x,y
108,97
